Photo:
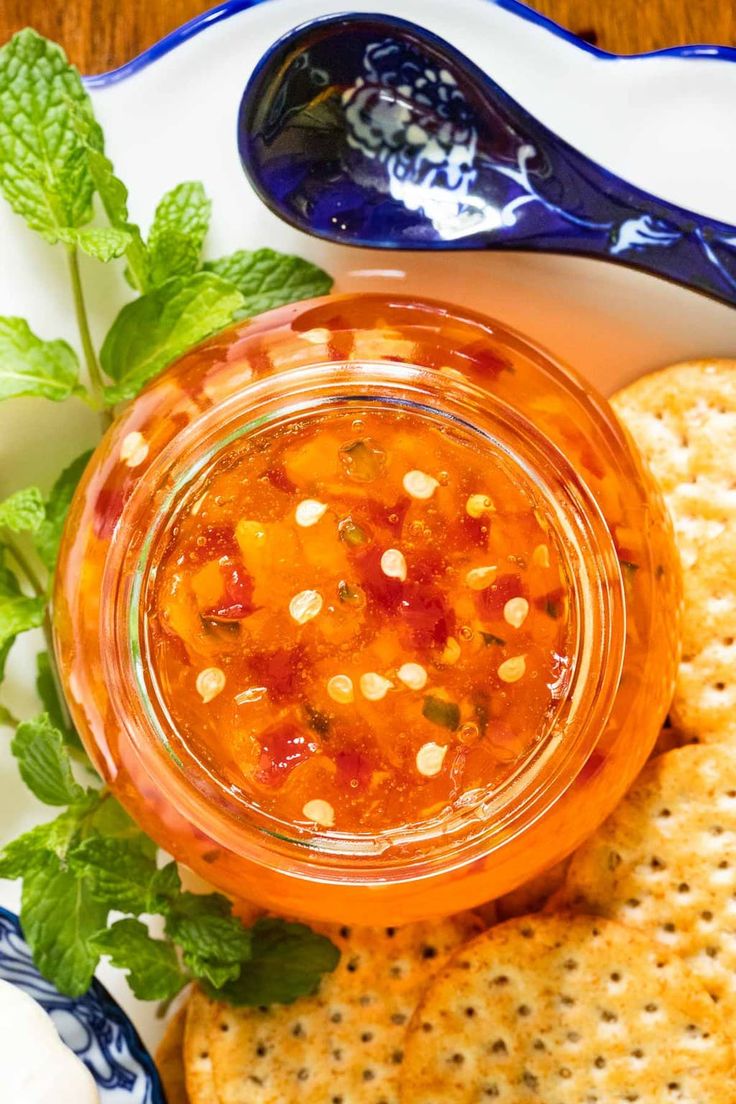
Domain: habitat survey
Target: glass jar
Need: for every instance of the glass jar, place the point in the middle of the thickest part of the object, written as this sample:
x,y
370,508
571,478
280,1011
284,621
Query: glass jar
x,y
457,371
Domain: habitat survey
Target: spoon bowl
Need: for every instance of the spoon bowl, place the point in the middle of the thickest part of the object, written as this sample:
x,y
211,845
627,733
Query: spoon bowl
x,y
368,130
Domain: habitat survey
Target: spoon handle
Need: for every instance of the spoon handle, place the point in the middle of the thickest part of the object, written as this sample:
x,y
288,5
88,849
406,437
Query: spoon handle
x,y
557,200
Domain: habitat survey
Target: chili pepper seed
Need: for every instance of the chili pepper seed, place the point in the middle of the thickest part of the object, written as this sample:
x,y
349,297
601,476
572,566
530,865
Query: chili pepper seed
x,y
374,687
340,689
309,512
412,675
320,812
430,758
515,612
305,605
478,578
419,485
210,682
478,505
511,670
133,450
393,564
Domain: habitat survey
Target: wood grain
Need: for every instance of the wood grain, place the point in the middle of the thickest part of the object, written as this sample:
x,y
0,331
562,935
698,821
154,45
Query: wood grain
x,y
101,34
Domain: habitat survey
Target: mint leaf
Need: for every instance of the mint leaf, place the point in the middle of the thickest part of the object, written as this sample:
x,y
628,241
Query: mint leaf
x,y
267,279
114,198
13,611
152,966
59,917
30,366
214,943
42,175
152,331
48,537
54,837
23,511
43,762
101,242
211,942
109,818
118,873
18,614
178,231
214,975
192,905
25,852
288,961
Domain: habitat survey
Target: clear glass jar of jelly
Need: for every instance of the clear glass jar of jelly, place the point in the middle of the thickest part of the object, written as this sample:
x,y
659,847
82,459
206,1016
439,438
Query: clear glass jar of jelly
x,y
367,609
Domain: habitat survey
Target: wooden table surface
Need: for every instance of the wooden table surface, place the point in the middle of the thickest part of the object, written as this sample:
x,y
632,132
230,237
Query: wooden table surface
x,y
101,34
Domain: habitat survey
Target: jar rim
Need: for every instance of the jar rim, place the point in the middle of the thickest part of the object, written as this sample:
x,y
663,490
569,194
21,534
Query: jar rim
x,y
534,788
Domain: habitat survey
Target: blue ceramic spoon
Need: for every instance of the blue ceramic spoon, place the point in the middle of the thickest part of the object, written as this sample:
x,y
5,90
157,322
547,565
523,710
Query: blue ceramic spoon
x,y
368,130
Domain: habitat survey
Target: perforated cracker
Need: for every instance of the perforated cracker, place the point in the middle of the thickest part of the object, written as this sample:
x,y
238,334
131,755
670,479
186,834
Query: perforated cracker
x,y
683,419
532,895
345,1045
666,861
170,1059
198,1070
566,1010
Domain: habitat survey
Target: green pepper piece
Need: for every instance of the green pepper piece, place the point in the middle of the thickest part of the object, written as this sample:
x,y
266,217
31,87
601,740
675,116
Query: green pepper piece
x,y
349,594
351,533
441,712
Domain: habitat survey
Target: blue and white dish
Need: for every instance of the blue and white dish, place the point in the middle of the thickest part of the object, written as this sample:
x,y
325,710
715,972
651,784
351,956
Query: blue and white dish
x,y
93,1026
369,130
662,121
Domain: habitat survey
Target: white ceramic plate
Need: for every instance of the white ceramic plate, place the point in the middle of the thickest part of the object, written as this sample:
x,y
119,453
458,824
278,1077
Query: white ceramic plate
x,y
660,120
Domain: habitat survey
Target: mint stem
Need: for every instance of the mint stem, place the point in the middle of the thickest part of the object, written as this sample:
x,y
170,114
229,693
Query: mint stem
x,y
90,357
39,590
25,565
48,635
9,718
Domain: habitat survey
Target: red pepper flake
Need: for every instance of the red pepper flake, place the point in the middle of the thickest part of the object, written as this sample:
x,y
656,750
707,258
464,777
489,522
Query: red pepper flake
x,y
486,359
389,517
475,530
283,747
353,770
108,508
492,600
214,542
237,595
385,592
277,477
426,616
281,671
429,567
592,766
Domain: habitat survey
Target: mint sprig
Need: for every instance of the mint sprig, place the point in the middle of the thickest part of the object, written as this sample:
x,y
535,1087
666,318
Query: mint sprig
x,y
92,860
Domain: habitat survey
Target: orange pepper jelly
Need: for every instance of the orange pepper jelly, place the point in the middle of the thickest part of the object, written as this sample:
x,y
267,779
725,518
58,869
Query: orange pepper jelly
x,y
366,610
361,621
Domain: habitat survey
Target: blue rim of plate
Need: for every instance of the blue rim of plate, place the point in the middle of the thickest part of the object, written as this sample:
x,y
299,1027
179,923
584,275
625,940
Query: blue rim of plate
x,y
125,1070
234,7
